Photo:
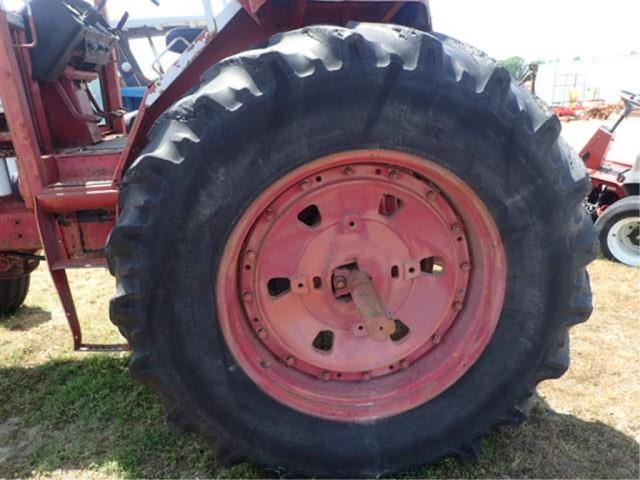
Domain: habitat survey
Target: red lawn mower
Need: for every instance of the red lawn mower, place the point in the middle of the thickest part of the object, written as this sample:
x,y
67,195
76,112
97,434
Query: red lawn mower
x,y
614,201
325,224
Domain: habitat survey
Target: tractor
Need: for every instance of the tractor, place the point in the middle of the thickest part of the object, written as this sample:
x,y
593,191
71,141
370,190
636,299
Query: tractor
x,y
344,244
614,200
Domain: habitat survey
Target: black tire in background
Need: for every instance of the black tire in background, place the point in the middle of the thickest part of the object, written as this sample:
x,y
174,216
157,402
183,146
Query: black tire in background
x,y
13,292
626,209
320,90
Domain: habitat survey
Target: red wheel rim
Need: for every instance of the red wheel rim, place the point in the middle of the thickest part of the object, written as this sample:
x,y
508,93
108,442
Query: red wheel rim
x,y
431,249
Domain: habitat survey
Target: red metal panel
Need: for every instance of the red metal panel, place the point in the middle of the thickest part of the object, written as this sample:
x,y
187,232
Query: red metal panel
x,y
80,168
34,173
74,199
595,151
18,231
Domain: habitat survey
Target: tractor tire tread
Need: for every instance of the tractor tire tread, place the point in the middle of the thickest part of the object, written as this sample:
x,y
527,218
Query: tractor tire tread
x,y
253,76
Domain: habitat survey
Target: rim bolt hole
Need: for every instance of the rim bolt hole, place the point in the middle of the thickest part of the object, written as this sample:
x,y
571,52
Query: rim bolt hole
x,y
317,283
395,271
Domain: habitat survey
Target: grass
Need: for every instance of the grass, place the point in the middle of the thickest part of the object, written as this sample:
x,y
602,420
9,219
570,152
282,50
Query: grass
x,y
70,415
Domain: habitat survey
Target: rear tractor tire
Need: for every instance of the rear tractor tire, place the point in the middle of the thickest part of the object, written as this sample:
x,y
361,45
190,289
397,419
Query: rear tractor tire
x,y
264,195
13,292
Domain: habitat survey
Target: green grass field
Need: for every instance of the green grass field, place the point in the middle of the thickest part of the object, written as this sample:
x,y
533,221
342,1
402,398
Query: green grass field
x,y
72,415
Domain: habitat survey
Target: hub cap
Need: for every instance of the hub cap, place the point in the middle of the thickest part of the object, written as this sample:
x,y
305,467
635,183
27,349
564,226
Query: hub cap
x,y
348,241
623,240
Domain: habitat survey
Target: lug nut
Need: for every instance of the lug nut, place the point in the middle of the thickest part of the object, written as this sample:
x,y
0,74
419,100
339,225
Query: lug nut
x,y
262,333
247,296
436,339
326,375
340,283
265,363
305,184
393,174
249,254
404,363
290,361
366,376
456,227
465,267
348,171
431,195
268,215
457,306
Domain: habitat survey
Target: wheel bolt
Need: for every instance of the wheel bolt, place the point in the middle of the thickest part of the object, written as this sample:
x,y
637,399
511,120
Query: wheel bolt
x,y
465,267
431,195
457,306
247,296
436,339
348,171
366,376
393,174
326,375
340,283
290,361
268,215
249,254
404,363
305,185
456,227
262,333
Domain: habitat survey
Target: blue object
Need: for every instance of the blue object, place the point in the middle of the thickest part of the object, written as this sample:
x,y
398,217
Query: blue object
x,y
132,97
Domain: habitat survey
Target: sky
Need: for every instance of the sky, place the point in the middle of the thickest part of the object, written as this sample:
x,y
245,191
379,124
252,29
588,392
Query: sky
x,y
533,29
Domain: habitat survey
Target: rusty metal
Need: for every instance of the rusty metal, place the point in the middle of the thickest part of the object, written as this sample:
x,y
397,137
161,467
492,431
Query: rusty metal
x,y
376,319
13,264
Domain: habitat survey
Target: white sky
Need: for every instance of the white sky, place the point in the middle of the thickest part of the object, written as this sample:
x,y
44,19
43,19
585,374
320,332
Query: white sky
x,y
533,29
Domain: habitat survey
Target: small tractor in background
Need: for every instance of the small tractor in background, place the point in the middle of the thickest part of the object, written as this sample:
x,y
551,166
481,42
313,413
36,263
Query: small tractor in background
x,y
614,200
325,221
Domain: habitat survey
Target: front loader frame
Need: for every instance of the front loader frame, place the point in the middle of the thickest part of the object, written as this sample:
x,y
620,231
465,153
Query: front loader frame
x,y
68,187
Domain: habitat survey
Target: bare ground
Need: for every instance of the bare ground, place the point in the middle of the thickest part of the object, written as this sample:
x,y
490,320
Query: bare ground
x,y
70,415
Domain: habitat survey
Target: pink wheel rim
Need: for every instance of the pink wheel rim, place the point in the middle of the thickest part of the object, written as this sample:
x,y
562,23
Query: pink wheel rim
x,y
429,246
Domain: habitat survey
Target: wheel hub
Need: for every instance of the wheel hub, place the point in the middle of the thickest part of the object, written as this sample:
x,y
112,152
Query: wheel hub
x,y
355,270
326,228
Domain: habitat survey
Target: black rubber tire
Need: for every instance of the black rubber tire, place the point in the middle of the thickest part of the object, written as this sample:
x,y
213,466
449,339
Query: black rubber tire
x,y
311,92
13,292
624,208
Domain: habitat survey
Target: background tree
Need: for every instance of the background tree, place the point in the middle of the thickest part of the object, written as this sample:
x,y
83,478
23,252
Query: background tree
x,y
516,66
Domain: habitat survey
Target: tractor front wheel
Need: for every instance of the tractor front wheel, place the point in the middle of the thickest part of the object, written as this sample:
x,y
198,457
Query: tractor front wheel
x,y
334,255
13,292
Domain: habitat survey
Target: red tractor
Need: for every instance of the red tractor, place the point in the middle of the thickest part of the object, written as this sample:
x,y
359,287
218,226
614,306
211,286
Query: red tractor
x,y
614,200
344,244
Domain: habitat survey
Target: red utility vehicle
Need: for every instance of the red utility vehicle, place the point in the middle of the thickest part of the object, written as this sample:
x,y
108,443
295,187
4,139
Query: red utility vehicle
x,y
344,244
614,200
